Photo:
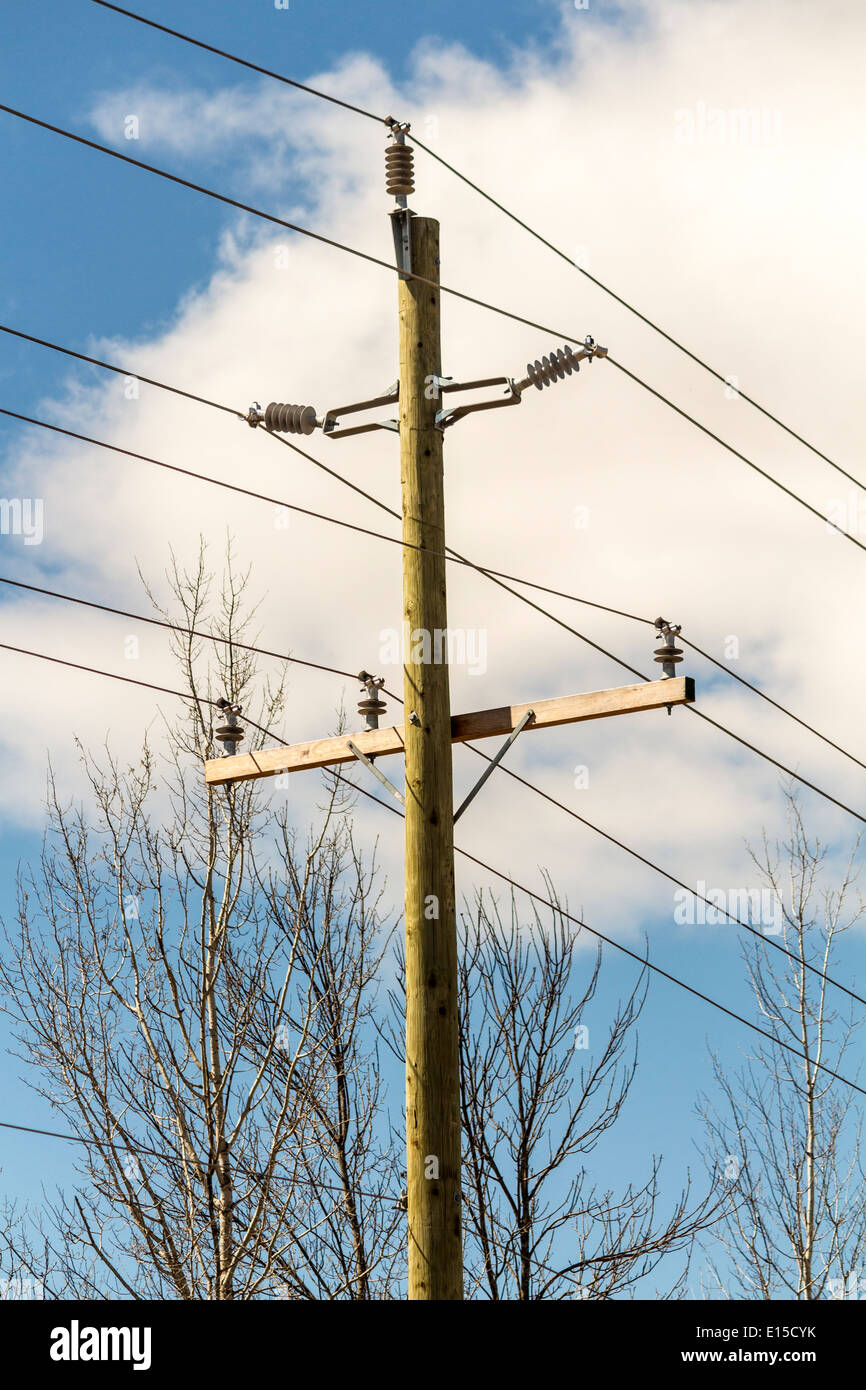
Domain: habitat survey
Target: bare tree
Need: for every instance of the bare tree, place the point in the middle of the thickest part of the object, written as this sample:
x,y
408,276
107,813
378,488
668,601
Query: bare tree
x,y
781,1132
535,1102
193,983
188,988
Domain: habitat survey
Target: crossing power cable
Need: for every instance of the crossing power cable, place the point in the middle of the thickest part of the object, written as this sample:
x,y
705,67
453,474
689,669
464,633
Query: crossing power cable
x,y
183,695
243,62
643,961
118,371
173,627
531,786
736,452
131,680
499,574
488,197
279,221
108,1140
394,540
626,666
681,347
444,289
651,864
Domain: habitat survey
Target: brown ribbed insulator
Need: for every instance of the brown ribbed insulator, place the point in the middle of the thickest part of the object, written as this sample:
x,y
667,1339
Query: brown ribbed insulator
x,y
290,419
399,170
556,367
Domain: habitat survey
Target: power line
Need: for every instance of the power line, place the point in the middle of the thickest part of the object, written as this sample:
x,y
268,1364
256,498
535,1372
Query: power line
x,y
334,670
651,864
130,680
174,627
201,477
642,961
445,289
393,540
489,868
241,415
136,1148
770,701
488,197
687,642
736,452
243,62
280,221
626,666
631,308
119,371
499,574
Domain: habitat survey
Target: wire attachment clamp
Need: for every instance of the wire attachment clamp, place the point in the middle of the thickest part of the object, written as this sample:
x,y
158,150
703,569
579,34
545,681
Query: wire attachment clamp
x,y
544,371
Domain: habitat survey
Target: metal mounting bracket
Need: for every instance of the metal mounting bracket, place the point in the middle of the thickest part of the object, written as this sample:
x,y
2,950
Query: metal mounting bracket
x,y
444,418
401,229
494,763
331,418
368,762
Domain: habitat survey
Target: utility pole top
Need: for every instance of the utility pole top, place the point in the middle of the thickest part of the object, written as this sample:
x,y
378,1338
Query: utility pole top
x,y
420,419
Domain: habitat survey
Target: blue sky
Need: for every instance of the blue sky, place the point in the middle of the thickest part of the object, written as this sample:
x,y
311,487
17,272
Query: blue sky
x,y
96,251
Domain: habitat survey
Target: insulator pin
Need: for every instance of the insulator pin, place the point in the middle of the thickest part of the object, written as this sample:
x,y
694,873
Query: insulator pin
x,y
560,364
399,170
231,733
290,419
373,706
669,655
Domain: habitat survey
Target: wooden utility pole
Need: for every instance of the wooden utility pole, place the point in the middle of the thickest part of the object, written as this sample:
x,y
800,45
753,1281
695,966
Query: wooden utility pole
x,y
432,1044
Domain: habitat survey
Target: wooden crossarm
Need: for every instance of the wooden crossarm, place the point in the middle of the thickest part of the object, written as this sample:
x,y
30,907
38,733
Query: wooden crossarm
x,y
486,723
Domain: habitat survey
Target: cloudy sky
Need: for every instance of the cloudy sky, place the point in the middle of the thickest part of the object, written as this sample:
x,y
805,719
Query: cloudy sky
x,y
700,160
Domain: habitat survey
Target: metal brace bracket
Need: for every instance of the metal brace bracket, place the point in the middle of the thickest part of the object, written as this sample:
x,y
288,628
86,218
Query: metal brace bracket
x,y
368,762
331,418
401,229
444,417
494,762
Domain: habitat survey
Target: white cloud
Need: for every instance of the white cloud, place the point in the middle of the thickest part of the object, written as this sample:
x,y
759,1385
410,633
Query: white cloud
x,y
745,248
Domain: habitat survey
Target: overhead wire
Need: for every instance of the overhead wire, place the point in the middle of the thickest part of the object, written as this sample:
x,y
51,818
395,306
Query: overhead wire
x,y
263,651
278,221
444,289
129,680
801,501
243,62
173,627
643,961
136,1148
651,864
487,569
494,202
394,540
184,695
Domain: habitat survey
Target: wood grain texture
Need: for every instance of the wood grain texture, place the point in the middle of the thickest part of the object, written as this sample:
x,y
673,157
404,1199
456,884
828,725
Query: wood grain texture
x,y
486,723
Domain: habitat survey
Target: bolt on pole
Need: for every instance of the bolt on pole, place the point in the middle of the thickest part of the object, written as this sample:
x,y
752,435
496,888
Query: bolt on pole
x,y
432,1042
